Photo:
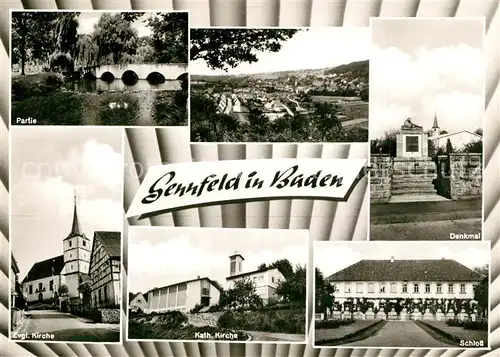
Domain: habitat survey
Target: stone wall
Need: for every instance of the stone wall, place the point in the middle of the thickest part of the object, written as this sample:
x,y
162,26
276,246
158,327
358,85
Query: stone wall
x,y
466,175
402,316
110,316
380,177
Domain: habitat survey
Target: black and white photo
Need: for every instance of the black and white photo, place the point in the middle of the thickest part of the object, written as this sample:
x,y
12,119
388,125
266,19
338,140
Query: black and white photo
x,y
99,68
406,294
229,285
426,128
279,85
66,240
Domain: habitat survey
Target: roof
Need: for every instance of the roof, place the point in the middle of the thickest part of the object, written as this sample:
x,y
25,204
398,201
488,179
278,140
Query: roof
x,y
111,241
253,272
407,270
184,282
132,296
13,264
45,268
76,230
455,133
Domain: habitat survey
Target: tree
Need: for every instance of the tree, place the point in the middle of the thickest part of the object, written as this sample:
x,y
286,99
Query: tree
x,y
293,288
481,296
86,51
32,36
225,48
85,289
473,147
324,293
243,295
385,145
115,38
63,290
170,37
283,265
449,146
479,131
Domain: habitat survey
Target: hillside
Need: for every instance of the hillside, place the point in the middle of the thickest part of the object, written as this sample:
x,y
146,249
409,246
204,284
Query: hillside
x,y
355,69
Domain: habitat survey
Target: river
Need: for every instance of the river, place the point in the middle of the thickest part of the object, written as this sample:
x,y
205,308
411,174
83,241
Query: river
x,y
97,102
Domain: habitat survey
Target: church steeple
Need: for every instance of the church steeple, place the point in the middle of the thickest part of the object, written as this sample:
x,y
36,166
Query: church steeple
x,y
435,125
75,228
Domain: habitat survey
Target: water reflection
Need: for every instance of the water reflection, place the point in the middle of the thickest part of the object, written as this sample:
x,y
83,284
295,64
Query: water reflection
x,y
117,85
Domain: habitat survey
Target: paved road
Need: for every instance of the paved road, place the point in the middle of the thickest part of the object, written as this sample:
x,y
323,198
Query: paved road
x,y
65,327
272,336
399,334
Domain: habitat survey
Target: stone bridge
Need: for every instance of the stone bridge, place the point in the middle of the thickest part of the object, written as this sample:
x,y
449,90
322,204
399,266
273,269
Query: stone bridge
x,y
171,71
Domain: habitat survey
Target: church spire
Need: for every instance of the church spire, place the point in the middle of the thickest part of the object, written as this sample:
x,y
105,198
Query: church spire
x,y
75,228
435,125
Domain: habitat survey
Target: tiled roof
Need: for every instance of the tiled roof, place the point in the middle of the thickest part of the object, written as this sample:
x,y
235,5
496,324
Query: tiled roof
x,y
45,268
406,270
111,242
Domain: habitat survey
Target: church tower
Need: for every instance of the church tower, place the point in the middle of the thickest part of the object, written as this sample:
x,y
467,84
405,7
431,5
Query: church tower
x,y
435,127
235,264
76,249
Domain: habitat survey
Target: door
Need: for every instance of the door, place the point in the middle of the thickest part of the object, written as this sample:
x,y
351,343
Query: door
x,y
40,297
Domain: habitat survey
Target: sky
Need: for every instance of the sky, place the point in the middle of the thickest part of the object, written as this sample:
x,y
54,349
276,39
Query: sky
x,y
423,67
331,257
160,256
315,48
47,165
87,20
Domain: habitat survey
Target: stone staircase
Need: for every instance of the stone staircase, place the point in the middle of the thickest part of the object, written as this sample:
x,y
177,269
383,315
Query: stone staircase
x,y
412,177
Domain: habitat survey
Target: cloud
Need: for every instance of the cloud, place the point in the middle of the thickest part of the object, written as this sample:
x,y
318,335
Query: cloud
x,y
448,81
331,258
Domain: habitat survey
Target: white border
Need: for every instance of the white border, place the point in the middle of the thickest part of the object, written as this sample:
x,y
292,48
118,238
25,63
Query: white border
x,y
483,122
278,28
307,241
421,243
42,128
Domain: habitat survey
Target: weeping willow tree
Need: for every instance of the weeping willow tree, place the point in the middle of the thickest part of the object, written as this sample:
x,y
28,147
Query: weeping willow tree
x,y
66,36
86,52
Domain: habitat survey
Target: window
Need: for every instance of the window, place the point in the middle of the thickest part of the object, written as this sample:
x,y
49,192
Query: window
x,y
382,287
139,301
71,267
182,295
51,285
462,288
70,256
347,287
412,144
393,288
427,288
233,267
260,278
272,279
40,286
405,287
415,288
70,244
100,296
371,289
359,287
31,289
84,243
439,288
105,293
450,288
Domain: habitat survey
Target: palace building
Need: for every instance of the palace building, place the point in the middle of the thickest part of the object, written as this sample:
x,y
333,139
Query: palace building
x,y
105,269
46,277
380,281
266,280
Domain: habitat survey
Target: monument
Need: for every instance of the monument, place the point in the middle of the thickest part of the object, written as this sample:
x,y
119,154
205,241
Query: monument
x,y
414,171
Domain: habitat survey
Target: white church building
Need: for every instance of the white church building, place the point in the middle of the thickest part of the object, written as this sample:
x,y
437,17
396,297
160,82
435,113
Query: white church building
x,y
458,139
266,280
46,277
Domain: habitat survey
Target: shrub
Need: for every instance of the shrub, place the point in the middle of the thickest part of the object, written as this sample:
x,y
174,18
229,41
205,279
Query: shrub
x,y
227,320
469,325
334,323
196,308
39,84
